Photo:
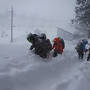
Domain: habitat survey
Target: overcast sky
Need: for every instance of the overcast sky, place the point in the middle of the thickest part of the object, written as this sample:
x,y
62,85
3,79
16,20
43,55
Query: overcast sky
x,y
54,9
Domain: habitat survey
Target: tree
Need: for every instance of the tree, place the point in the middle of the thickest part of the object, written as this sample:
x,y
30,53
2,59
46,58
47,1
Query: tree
x,y
82,11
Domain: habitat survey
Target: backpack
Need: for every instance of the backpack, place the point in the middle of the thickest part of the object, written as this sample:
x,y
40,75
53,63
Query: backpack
x,y
43,48
79,46
33,38
46,45
62,42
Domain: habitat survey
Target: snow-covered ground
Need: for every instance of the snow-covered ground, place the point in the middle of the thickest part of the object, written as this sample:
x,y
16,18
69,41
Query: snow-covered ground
x,y
21,69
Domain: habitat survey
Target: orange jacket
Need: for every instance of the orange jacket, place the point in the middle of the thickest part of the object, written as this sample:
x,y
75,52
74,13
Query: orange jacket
x,y
57,45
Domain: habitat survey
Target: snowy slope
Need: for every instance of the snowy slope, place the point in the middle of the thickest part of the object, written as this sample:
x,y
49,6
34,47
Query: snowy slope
x,y
21,69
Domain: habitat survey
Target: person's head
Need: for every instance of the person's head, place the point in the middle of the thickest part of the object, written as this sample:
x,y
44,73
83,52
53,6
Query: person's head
x,y
43,36
85,41
55,40
30,34
29,37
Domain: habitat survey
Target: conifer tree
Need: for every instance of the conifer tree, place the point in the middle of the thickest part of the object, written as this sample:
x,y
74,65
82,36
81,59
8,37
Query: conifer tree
x,y
82,11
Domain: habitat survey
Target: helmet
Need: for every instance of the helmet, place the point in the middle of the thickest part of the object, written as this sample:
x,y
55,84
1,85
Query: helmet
x,y
29,37
43,36
30,34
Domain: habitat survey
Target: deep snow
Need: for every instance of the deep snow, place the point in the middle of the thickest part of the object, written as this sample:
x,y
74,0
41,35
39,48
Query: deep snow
x,y
21,69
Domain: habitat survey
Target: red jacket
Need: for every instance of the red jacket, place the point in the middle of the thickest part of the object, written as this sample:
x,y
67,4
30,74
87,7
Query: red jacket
x,y
57,45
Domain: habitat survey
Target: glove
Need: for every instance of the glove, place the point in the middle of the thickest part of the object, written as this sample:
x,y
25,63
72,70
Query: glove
x,y
31,47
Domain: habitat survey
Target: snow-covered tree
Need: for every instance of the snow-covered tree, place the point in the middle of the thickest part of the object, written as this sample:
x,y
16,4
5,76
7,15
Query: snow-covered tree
x,y
82,17
82,11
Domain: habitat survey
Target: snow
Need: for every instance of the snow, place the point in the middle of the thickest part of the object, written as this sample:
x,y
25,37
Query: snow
x,y
20,68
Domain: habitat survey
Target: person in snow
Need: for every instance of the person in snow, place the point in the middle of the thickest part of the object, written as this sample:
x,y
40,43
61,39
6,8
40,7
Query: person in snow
x,y
81,48
34,39
57,46
88,57
45,46
41,44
